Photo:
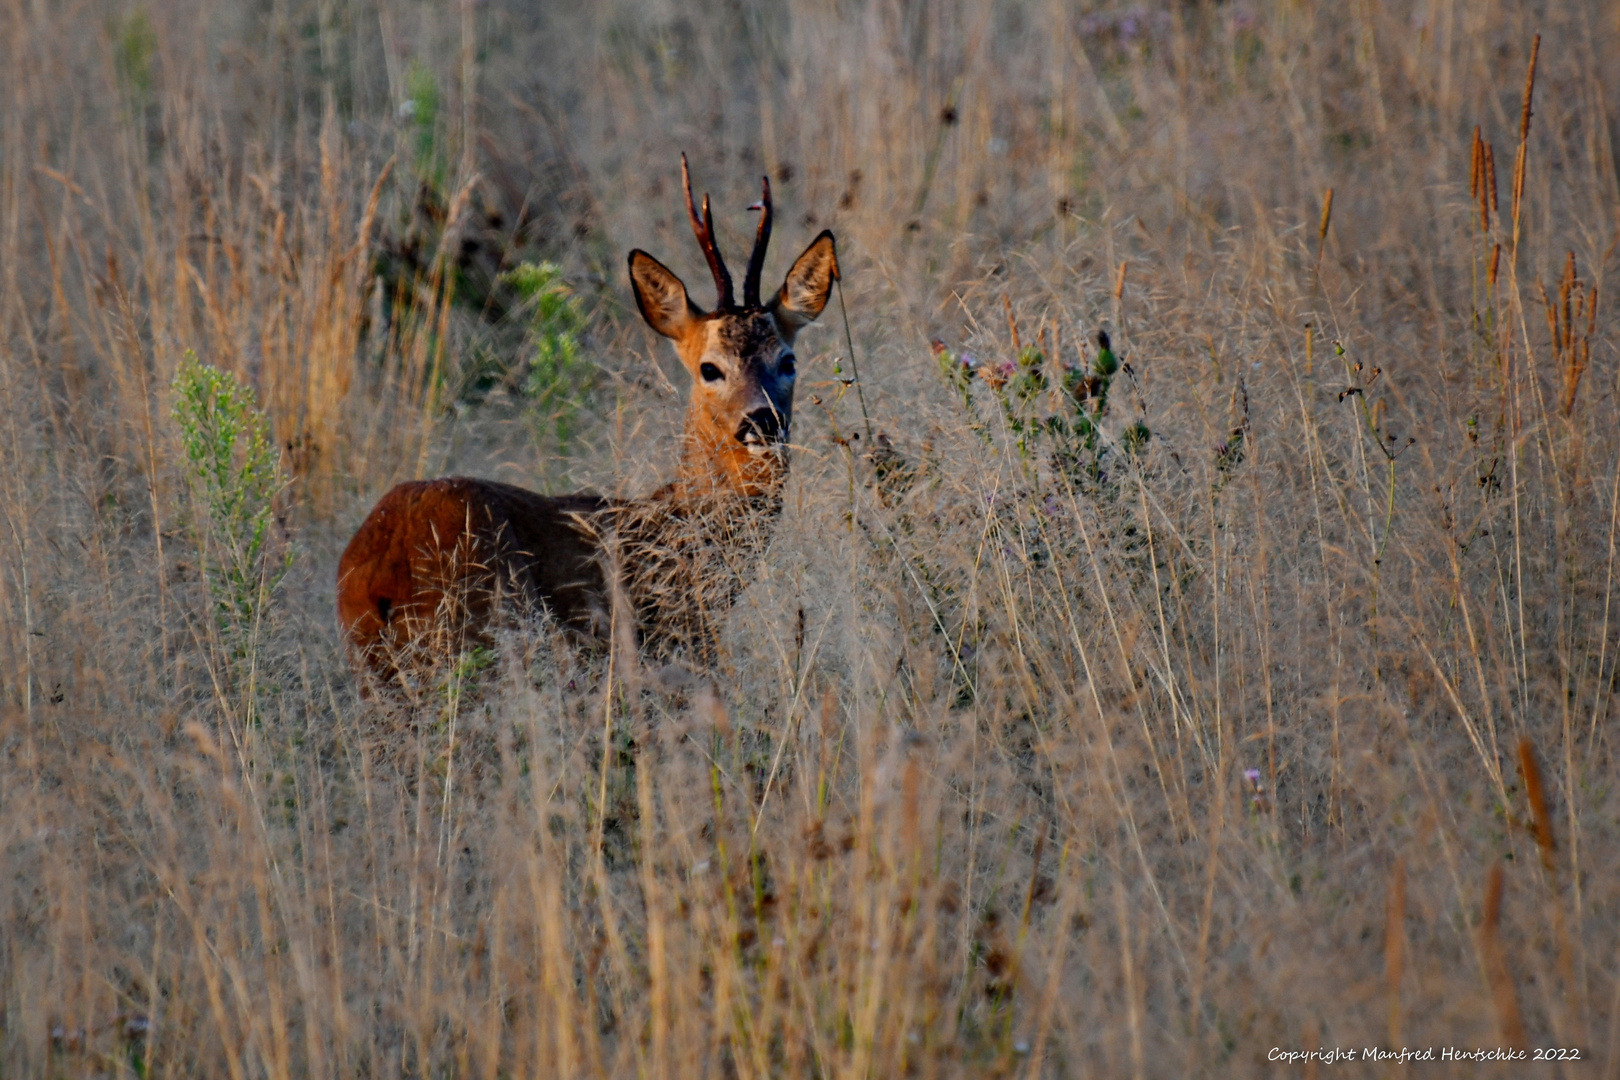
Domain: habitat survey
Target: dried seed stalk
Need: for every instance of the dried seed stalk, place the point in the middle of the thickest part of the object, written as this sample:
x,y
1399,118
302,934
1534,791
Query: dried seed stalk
x,y
1537,794
1503,999
1571,323
1524,132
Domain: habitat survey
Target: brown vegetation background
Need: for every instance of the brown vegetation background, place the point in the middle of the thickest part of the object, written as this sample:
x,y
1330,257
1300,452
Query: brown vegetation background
x,y
1295,729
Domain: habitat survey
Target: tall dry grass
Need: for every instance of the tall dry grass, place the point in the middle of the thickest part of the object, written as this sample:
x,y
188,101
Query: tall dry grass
x,y
1293,730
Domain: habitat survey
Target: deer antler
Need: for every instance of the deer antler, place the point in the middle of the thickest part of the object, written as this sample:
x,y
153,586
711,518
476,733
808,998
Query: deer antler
x,y
703,227
762,240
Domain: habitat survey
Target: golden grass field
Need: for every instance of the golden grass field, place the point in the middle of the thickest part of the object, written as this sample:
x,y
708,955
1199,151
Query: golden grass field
x,y
1032,753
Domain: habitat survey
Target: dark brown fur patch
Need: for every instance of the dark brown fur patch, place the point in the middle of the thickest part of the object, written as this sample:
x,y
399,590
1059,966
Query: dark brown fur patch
x,y
750,335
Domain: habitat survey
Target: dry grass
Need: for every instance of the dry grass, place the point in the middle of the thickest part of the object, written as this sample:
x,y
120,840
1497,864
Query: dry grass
x,y
1292,730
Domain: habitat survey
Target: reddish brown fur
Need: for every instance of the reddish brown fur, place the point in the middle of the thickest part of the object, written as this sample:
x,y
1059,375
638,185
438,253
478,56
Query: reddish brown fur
x,y
451,547
436,560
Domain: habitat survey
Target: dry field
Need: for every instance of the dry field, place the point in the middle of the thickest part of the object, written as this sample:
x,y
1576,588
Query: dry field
x,y
1257,695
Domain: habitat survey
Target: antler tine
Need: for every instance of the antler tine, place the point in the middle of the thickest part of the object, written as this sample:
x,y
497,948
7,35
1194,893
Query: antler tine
x,y
703,228
762,240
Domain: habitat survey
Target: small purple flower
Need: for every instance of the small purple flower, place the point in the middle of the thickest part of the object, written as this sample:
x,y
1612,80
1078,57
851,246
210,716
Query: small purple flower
x,y
1257,793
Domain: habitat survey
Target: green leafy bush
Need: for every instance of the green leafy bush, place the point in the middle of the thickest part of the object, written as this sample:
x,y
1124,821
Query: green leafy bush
x,y
134,51
558,376
420,111
233,474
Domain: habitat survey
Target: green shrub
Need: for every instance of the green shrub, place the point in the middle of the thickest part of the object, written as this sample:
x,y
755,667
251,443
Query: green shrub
x,y
233,475
421,112
133,52
558,376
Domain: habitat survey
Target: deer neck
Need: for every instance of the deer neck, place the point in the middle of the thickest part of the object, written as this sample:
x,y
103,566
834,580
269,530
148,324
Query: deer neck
x,y
692,546
718,473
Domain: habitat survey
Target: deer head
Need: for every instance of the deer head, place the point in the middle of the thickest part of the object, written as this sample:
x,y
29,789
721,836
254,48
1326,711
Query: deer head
x,y
740,357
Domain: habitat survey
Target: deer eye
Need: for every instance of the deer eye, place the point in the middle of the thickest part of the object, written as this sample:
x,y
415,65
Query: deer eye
x,y
711,373
786,367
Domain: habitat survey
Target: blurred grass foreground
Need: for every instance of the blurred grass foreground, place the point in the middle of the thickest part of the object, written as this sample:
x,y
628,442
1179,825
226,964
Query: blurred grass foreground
x,y
1193,634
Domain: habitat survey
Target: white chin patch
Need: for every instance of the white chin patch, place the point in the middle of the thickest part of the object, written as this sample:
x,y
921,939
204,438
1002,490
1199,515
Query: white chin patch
x,y
764,447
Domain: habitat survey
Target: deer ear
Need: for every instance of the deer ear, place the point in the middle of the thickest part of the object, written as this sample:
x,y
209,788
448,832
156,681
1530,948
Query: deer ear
x,y
804,292
661,296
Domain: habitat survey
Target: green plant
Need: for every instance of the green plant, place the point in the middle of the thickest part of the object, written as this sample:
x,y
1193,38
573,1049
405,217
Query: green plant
x,y
1072,433
1078,452
420,110
135,47
958,369
233,474
558,375
1018,387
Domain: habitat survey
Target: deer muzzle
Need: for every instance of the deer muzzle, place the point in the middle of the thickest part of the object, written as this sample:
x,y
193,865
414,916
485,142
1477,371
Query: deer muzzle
x,y
762,430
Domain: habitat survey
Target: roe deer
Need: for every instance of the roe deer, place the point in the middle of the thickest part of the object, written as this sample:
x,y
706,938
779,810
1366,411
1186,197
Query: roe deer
x,y
429,568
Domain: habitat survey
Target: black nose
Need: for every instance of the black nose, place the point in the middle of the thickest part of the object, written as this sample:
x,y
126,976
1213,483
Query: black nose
x,y
761,426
